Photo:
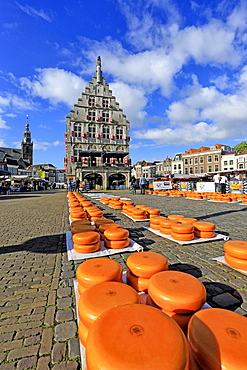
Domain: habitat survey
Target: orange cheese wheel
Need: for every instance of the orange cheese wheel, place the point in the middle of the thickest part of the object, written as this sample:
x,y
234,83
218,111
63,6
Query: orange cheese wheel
x,y
217,339
138,212
154,226
80,222
87,237
187,220
182,237
174,217
236,262
204,234
135,217
97,270
100,297
150,302
105,226
82,333
81,289
168,223
146,264
117,244
204,226
236,248
177,291
116,234
77,218
181,320
154,211
82,228
138,337
103,221
182,228
156,219
87,248
138,283
165,230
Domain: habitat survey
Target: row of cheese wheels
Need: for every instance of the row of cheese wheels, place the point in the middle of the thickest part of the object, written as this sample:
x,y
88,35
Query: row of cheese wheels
x,y
120,333
236,254
182,228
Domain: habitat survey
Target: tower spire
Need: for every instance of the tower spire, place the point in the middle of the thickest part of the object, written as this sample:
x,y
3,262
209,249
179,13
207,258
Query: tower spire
x,y
98,70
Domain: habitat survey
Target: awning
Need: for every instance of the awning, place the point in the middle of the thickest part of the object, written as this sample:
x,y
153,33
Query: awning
x,y
4,172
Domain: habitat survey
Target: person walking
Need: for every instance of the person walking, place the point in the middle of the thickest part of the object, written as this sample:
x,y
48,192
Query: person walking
x,y
142,184
223,183
133,184
69,185
77,184
217,180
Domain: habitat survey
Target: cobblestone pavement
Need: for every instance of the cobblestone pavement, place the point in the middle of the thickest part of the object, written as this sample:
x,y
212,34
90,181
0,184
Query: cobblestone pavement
x,y
38,328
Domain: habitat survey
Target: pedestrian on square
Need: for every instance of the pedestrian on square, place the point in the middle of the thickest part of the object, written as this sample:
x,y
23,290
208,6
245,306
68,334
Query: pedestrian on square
x,y
77,184
142,184
217,180
223,183
69,185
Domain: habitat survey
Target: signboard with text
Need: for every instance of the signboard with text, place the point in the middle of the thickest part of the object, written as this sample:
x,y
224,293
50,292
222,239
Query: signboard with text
x,y
205,186
162,185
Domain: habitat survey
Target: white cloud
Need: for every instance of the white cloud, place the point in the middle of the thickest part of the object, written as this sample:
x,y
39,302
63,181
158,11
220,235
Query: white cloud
x,y
132,100
34,12
3,124
56,85
2,143
44,145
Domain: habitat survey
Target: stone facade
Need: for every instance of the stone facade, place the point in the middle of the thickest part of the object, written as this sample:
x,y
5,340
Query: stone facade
x,y
97,137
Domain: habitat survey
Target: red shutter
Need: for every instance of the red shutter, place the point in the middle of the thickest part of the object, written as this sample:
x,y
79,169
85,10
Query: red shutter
x,y
112,160
72,159
87,117
126,160
88,134
97,118
111,119
72,133
97,135
102,135
83,160
124,137
83,134
101,119
111,136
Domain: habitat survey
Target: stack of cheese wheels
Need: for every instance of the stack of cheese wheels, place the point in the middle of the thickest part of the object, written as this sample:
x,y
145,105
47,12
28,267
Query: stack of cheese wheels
x,y
184,232
97,270
105,226
99,298
203,229
217,339
155,222
116,204
141,266
135,337
116,238
138,214
165,226
153,212
236,254
187,220
177,293
181,319
102,221
86,242
94,214
82,228
127,202
175,217
80,222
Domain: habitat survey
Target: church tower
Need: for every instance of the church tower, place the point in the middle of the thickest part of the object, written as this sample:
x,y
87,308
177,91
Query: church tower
x,y
97,137
27,145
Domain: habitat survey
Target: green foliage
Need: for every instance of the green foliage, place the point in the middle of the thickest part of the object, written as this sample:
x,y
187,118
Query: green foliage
x,y
239,148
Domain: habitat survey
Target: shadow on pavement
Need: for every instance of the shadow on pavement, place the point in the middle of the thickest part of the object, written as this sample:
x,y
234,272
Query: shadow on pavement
x,y
222,213
221,295
48,244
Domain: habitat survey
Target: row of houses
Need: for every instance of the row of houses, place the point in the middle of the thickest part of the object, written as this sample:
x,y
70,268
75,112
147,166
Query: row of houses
x,y
195,162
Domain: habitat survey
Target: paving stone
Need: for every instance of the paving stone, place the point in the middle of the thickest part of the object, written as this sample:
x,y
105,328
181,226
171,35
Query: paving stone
x,y
30,341
46,341
74,348
58,352
43,363
71,365
10,366
7,346
64,292
49,316
64,303
27,363
64,315
23,352
65,331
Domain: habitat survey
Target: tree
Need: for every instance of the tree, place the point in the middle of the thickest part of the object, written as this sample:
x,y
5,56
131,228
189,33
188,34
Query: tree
x,y
41,173
239,148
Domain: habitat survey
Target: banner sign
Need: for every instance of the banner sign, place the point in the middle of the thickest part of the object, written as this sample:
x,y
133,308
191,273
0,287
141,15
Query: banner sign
x,y
205,186
162,185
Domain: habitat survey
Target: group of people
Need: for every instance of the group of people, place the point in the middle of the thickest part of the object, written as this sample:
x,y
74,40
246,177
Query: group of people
x,y
220,182
142,184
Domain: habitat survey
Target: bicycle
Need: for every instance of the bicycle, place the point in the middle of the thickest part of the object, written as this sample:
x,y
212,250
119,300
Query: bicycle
x,y
132,189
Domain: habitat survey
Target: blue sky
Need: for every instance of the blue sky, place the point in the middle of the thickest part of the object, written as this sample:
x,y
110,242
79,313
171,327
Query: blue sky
x,y
177,68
